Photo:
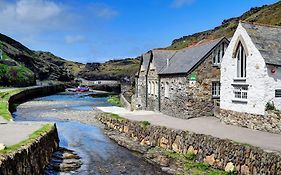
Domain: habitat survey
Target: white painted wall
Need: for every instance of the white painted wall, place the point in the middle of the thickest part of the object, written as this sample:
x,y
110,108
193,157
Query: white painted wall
x,y
256,76
273,82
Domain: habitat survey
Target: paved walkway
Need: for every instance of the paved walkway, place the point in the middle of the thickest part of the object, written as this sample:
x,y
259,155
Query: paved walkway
x,y
13,132
204,125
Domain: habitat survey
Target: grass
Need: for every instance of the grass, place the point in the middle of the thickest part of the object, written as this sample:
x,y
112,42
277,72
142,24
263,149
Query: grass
x,y
115,116
189,163
30,140
115,100
144,124
4,105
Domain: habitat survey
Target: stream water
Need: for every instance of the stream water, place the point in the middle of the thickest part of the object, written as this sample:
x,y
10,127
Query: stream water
x,y
98,153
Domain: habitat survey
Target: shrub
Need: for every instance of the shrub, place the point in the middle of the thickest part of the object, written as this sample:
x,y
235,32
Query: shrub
x,y
270,106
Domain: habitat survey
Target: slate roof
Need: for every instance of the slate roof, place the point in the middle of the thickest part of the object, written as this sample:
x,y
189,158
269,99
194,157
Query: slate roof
x,y
267,39
145,61
160,58
185,59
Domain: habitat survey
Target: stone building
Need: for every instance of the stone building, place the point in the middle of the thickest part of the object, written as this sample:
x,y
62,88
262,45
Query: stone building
x,y
251,74
183,83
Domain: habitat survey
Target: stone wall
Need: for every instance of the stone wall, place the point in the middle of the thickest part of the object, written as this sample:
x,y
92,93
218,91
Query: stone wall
x,y
141,93
124,102
32,158
271,122
219,153
33,92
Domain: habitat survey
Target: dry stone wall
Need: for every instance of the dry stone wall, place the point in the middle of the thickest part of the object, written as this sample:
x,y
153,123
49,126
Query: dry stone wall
x,y
220,153
32,158
270,122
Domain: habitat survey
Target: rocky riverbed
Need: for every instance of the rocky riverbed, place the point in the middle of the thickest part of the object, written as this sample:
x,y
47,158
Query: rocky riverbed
x,y
81,133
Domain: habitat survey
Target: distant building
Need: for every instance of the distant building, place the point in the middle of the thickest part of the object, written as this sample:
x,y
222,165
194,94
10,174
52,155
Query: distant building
x,y
251,71
183,83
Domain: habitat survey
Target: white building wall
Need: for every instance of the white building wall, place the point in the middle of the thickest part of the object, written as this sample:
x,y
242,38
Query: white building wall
x,y
255,78
273,82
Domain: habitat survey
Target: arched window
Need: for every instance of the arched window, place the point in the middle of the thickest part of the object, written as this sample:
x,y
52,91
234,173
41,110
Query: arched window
x,y
166,90
241,61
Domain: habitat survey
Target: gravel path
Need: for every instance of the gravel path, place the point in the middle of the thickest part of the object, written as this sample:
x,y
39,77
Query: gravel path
x,y
204,125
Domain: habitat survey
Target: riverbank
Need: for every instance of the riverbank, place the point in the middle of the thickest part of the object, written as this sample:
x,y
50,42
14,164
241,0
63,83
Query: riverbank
x,y
219,153
98,153
26,147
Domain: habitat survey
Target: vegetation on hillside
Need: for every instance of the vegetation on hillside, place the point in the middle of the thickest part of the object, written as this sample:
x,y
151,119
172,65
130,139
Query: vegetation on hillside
x,y
267,14
122,70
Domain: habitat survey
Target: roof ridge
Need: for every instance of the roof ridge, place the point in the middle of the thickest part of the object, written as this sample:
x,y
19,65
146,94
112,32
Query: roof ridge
x,y
260,24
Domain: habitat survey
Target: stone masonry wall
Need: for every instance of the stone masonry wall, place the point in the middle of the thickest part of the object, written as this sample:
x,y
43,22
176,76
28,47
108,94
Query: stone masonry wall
x,y
271,122
33,92
152,100
214,151
32,158
141,91
189,102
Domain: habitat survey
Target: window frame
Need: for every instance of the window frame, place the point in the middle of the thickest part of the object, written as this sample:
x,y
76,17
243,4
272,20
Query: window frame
x,y
240,92
166,90
216,88
241,56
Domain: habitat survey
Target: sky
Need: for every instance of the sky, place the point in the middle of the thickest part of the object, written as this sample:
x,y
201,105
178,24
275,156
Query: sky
x,y
99,30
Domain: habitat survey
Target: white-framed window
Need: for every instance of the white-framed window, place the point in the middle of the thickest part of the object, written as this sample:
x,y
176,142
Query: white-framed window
x,y
152,88
149,87
216,86
166,90
241,61
156,88
219,53
241,92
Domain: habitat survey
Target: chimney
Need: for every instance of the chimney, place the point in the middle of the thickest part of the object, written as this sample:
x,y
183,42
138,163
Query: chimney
x,y
168,62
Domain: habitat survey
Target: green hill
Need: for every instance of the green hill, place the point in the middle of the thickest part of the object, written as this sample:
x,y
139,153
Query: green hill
x,y
267,14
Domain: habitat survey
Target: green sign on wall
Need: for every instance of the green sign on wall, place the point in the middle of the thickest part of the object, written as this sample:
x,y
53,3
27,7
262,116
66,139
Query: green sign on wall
x,y
192,76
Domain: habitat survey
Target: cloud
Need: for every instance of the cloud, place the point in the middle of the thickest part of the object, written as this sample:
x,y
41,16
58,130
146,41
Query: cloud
x,y
32,16
181,3
74,39
103,11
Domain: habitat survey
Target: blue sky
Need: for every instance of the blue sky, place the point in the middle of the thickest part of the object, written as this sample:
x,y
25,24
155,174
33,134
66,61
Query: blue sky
x,y
99,30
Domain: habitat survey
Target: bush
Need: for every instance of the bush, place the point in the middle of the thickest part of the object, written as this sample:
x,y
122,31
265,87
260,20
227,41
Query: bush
x,y
17,76
270,106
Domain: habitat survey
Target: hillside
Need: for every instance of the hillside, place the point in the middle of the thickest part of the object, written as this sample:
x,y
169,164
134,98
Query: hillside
x,y
267,14
30,65
123,70
42,68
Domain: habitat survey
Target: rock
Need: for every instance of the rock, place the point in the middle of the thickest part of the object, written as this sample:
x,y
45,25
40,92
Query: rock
x,y
2,146
210,159
163,142
229,167
169,170
64,160
245,170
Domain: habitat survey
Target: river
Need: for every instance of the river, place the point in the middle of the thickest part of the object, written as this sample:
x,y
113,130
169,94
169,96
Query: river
x,y
74,115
